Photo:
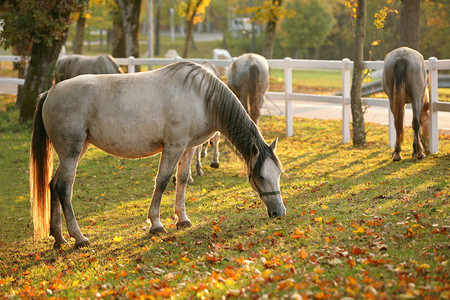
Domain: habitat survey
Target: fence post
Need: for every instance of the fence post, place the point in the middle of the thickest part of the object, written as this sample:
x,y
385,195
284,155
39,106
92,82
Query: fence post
x,y
131,66
287,96
346,100
434,127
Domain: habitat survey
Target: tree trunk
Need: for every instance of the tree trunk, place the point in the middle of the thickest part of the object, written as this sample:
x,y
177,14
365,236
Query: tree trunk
x,y
118,35
40,74
79,35
130,17
410,23
158,27
269,37
359,132
188,41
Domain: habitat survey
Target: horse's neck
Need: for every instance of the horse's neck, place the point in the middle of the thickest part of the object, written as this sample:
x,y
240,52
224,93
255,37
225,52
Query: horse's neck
x,y
240,131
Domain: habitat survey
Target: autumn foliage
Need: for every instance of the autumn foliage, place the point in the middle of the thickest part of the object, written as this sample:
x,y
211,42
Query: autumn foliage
x,y
357,226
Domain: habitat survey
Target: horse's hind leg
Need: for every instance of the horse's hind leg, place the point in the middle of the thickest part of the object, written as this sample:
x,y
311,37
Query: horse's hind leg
x,y
169,158
215,159
417,107
55,217
183,174
60,195
64,188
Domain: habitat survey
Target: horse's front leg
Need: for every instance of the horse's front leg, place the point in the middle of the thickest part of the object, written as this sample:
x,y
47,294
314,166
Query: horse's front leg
x,y
215,159
183,174
169,158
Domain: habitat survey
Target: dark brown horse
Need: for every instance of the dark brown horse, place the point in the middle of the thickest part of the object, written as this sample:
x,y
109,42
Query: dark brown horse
x,y
405,81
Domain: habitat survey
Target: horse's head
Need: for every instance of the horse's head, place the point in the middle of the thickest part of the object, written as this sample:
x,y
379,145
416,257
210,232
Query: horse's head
x,y
264,176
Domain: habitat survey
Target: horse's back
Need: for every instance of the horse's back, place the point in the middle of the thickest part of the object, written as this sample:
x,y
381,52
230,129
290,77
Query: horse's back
x,y
404,66
239,73
75,65
128,115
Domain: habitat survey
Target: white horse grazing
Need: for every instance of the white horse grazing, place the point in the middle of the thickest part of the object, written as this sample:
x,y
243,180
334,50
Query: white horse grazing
x,y
170,110
74,65
405,81
248,78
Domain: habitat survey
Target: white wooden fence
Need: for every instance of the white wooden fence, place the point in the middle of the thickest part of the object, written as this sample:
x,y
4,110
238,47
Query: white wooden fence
x,y
288,64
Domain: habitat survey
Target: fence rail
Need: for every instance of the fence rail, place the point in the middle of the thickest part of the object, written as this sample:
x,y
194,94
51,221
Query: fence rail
x,y
433,65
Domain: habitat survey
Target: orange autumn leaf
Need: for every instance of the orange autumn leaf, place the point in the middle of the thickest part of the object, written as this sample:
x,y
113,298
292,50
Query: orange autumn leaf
x,y
212,258
303,253
298,234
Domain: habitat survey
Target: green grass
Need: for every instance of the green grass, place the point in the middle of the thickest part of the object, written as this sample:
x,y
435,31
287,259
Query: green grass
x,y
357,224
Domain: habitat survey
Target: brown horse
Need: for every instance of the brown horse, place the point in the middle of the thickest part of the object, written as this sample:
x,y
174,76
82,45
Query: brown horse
x,y
248,78
74,65
405,81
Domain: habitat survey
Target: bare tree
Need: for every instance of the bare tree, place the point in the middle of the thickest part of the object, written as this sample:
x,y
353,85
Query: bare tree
x,y
410,23
359,132
79,34
130,18
271,27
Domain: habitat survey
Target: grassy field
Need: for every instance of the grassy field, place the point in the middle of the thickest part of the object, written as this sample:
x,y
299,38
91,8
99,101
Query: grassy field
x,y
357,224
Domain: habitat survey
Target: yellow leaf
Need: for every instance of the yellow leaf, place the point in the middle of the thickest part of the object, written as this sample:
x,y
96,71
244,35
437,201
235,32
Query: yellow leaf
x,y
359,230
324,206
117,239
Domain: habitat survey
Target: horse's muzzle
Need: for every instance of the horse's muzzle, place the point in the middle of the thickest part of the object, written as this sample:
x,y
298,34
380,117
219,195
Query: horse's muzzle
x,y
277,213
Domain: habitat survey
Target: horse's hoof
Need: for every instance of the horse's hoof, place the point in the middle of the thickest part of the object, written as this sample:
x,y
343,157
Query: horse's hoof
x,y
420,155
214,165
200,173
82,244
184,224
190,180
397,157
157,230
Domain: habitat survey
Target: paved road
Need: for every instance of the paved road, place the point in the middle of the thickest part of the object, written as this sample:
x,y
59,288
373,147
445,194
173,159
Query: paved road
x,y
330,111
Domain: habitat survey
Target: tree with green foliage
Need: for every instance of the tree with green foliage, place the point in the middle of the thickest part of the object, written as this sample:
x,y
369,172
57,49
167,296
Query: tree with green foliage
x,y
303,34
267,12
39,29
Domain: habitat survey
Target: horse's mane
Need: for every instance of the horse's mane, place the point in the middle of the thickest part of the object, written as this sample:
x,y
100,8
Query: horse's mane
x,y
116,67
227,114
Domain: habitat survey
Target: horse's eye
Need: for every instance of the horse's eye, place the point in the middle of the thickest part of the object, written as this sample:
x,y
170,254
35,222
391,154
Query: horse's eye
x,y
260,177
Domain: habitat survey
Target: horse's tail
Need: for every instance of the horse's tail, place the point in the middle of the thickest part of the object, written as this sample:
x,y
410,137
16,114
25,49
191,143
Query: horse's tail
x,y
254,89
399,94
41,169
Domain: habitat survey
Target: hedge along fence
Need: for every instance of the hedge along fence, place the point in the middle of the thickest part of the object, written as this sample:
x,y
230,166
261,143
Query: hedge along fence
x,y
433,65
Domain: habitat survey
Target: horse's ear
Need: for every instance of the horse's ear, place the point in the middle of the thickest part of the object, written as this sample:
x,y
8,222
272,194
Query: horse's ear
x,y
254,155
273,145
